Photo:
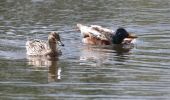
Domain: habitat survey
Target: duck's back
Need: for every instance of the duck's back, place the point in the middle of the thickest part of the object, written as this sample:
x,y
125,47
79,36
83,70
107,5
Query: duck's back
x,y
36,47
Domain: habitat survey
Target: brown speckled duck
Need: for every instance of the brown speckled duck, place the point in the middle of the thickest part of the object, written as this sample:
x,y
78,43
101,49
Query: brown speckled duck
x,y
44,48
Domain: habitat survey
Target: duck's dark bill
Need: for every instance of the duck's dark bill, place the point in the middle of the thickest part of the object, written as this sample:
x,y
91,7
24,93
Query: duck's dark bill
x,y
60,43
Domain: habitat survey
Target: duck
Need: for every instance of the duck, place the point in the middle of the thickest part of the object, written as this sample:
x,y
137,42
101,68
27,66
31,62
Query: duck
x,y
49,48
98,35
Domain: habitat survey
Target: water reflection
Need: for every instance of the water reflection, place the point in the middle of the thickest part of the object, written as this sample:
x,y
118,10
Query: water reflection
x,y
54,71
99,54
121,74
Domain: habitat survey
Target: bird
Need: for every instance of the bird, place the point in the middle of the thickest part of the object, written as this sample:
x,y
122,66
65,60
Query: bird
x,y
98,35
49,48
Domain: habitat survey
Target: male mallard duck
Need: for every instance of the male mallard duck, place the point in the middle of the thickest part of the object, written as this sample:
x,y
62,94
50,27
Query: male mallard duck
x,y
102,36
43,48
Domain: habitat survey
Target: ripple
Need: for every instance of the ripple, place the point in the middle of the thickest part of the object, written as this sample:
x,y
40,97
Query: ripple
x,y
83,71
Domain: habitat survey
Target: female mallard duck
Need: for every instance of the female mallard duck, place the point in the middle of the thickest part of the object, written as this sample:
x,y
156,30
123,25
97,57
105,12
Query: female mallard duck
x,y
43,48
97,35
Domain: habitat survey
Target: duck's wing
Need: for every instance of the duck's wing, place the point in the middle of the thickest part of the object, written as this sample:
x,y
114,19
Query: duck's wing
x,y
102,29
88,31
36,47
105,33
95,31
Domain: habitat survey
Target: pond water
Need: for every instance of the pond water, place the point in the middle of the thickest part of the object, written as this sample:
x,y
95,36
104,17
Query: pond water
x,y
85,72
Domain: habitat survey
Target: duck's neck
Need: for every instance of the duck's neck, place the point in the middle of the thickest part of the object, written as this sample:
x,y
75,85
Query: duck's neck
x,y
52,46
116,40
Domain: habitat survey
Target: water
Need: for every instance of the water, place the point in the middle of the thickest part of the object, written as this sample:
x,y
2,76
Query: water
x,y
85,72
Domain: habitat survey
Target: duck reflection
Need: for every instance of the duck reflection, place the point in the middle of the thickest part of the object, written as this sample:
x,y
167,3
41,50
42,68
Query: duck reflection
x,y
54,71
101,54
122,49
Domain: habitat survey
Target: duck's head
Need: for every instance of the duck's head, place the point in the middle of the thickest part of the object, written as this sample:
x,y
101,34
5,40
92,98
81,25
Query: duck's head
x,y
120,35
55,38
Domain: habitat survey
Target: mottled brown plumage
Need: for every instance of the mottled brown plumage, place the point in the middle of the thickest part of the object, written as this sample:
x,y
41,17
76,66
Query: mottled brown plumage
x,y
44,48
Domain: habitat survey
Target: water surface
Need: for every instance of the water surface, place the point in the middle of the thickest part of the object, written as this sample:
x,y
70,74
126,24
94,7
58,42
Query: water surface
x,y
85,72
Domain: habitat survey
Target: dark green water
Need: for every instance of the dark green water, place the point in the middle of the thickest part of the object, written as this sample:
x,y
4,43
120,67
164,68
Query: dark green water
x,y
84,72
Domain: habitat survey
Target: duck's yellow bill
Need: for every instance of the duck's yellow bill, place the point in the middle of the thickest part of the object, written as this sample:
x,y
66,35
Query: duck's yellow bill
x,y
132,36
